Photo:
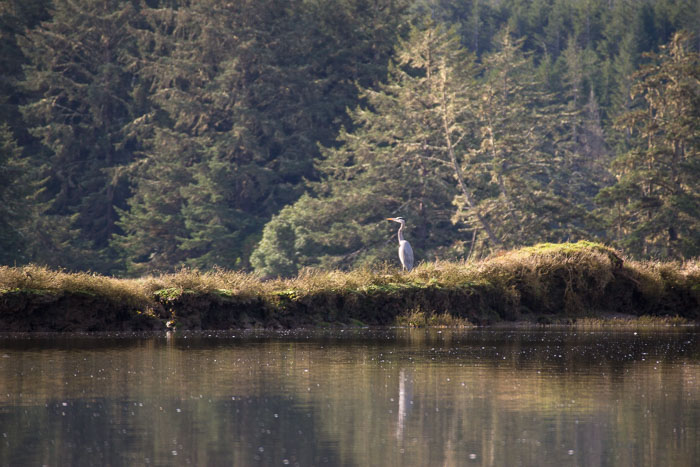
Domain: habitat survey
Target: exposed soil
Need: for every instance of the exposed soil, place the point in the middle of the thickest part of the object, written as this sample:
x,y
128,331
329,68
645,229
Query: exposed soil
x,y
547,283
30,310
36,310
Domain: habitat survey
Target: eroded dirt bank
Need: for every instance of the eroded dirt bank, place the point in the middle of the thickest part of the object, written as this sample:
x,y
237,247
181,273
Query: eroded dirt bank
x,y
543,284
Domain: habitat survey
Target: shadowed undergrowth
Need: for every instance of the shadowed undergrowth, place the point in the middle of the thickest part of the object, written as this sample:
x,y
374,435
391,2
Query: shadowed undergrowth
x,y
544,283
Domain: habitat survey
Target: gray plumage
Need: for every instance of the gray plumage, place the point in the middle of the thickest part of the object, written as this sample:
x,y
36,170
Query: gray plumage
x,y
405,250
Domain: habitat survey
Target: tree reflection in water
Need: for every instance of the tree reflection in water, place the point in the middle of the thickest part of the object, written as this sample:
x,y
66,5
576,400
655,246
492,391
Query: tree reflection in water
x,y
391,397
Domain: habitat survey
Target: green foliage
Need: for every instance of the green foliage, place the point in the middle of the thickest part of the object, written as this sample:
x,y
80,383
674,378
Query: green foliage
x,y
241,91
277,135
441,132
378,170
16,16
520,154
79,80
14,203
169,294
153,225
276,254
654,207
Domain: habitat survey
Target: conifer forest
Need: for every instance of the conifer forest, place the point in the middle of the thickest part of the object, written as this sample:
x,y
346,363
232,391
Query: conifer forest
x,y
141,136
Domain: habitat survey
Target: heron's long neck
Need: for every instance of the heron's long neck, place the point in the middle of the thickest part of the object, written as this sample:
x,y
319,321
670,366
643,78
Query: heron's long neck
x,y
401,233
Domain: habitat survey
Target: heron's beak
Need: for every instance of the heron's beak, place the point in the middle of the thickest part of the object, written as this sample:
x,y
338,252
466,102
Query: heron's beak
x,y
391,219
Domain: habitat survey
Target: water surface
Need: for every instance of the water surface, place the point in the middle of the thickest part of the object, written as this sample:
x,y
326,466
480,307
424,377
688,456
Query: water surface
x,y
352,397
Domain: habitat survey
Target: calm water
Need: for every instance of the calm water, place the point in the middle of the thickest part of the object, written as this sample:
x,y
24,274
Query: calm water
x,y
353,397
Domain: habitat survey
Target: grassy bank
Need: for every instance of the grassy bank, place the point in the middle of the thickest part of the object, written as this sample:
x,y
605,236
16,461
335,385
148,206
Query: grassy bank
x,y
548,283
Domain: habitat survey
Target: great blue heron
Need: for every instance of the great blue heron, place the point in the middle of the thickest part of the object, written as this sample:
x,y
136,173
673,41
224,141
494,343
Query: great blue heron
x,y
405,250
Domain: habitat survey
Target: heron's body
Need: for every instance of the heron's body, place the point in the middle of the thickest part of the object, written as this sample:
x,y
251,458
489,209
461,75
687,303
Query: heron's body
x,y
406,255
405,250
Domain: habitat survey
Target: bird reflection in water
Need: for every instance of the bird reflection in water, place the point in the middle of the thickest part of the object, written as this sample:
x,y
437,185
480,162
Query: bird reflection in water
x,y
405,402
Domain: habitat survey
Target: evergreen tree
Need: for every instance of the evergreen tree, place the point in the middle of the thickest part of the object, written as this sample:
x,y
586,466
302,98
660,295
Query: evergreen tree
x,y
588,21
396,160
16,16
251,91
654,207
209,117
19,157
79,83
526,196
13,199
433,133
583,139
476,21
277,254
153,225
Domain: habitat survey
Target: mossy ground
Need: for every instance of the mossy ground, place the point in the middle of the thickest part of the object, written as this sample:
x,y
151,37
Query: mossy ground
x,y
543,283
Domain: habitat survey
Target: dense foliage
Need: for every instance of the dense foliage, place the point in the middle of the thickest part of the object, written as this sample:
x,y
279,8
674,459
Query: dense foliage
x,y
273,135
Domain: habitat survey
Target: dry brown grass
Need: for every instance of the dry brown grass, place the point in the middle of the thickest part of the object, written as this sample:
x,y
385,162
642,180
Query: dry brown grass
x,y
524,265
37,278
420,319
216,280
567,278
